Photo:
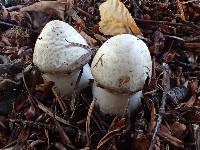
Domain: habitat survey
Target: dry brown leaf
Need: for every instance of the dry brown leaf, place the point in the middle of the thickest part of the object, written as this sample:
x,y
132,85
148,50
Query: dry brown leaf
x,y
178,129
23,136
52,8
140,141
116,19
171,139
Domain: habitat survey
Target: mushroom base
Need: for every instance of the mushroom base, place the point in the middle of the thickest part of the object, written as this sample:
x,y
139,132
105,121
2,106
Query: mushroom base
x,y
110,103
65,83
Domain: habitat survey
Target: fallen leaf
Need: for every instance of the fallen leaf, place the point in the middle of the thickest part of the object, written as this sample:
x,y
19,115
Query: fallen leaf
x,y
52,8
116,19
165,135
23,135
178,129
140,141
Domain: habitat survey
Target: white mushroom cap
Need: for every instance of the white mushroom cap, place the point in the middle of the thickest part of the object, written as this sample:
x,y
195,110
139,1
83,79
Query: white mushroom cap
x,y
122,64
120,68
58,60
52,52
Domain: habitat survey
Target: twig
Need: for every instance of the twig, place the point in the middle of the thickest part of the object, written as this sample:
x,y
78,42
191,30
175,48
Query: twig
x,y
166,84
50,113
88,122
84,12
190,1
61,103
30,96
152,22
101,124
73,102
40,125
109,136
193,66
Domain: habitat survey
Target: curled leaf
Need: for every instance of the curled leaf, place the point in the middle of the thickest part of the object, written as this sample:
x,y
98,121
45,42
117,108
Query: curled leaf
x,y
116,19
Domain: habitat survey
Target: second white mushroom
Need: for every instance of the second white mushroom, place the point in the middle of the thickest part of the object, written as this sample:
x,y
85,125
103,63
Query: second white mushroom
x,y
120,68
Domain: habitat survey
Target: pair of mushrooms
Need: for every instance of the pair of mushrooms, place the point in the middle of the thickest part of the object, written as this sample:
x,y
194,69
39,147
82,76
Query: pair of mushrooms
x,y
119,68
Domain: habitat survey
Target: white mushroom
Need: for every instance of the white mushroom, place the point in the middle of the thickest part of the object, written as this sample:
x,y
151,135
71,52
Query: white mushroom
x,y
58,60
120,68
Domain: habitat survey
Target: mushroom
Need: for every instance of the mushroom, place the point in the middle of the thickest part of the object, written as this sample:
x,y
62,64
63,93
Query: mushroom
x,y
120,68
60,60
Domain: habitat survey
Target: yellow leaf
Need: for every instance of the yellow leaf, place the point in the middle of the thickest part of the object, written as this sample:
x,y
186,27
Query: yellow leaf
x,y
116,19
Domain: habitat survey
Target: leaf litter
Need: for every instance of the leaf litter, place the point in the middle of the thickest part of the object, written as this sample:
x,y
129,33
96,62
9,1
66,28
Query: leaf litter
x,y
34,116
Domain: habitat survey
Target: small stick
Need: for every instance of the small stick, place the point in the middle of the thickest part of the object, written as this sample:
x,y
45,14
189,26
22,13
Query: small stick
x,y
88,122
73,101
30,96
152,22
84,12
40,125
60,102
50,113
166,84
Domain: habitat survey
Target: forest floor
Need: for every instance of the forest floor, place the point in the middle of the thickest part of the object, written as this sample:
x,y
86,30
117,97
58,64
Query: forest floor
x,y
34,116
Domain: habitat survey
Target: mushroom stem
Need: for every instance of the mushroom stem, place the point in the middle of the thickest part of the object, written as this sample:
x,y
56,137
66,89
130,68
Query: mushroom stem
x,y
110,103
65,83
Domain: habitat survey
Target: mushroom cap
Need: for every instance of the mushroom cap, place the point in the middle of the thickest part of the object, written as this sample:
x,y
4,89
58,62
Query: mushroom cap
x,y
122,64
53,52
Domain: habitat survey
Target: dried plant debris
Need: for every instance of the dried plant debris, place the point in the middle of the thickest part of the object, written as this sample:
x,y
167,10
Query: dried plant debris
x,y
115,19
34,115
